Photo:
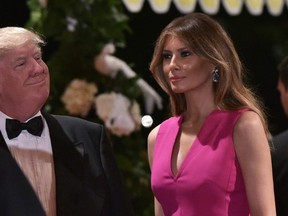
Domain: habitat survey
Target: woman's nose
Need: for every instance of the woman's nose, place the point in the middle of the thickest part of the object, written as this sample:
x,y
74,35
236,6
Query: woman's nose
x,y
174,64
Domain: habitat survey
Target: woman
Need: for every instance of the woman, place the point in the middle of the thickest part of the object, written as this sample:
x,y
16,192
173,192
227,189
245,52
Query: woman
x,y
212,158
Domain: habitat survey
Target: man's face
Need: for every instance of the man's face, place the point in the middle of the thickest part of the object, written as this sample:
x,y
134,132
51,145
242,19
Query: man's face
x,y
283,96
24,81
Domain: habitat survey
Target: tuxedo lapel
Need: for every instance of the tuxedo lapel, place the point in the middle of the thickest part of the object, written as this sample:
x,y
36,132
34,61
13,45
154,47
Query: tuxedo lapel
x,y
3,145
68,164
17,196
78,191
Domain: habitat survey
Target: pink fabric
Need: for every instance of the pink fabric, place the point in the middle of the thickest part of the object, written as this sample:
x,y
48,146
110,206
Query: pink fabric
x,y
209,181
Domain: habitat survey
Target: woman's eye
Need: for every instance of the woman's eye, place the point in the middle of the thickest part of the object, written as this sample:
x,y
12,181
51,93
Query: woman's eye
x,y
186,53
167,56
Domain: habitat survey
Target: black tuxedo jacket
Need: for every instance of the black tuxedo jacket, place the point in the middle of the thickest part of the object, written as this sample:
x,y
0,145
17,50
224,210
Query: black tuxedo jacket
x,y
88,181
280,172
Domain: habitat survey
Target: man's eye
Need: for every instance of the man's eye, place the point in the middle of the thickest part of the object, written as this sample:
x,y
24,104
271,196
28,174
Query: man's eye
x,y
19,64
186,53
38,57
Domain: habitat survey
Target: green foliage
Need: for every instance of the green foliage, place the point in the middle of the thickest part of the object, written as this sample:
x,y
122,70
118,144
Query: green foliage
x,y
98,22
70,54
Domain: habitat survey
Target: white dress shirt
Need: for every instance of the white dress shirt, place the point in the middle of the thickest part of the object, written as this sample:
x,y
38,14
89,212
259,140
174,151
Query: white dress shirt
x,y
34,156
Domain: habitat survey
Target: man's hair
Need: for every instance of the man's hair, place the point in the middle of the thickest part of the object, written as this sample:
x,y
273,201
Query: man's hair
x,y
12,37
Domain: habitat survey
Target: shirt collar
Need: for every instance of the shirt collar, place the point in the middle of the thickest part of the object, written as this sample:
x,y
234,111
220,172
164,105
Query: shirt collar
x,y
3,118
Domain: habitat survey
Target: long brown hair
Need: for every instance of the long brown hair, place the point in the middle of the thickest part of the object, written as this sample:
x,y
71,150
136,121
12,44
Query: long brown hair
x,y
208,39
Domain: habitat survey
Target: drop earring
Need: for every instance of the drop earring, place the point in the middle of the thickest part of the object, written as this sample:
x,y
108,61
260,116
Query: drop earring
x,y
215,75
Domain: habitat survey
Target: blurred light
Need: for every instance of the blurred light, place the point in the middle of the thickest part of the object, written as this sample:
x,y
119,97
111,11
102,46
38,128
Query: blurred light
x,y
147,121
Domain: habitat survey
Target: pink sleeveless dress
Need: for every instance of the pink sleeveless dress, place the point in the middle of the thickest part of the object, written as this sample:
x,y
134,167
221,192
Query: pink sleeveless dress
x,y
209,181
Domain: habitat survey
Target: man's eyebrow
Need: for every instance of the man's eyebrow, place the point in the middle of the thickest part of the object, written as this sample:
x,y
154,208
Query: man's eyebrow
x,y
19,58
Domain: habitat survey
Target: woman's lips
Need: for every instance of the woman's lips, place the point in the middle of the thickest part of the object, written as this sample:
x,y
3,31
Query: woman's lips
x,y
175,79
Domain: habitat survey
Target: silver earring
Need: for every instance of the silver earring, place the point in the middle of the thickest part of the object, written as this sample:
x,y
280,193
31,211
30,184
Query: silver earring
x,y
215,76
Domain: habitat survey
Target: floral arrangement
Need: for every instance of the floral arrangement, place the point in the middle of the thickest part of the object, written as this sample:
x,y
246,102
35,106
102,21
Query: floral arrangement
x,y
119,115
89,82
109,65
79,96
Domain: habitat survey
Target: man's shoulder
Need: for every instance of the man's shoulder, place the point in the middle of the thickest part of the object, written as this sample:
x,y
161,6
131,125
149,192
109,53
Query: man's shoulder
x,y
281,138
65,119
280,146
78,129
75,125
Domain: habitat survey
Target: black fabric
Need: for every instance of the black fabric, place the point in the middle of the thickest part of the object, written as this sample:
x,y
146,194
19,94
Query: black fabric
x,y
88,181
280,172
98,187
17,197
33,126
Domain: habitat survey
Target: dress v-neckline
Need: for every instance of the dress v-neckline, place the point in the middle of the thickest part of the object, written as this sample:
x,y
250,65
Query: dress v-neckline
x,y
190,152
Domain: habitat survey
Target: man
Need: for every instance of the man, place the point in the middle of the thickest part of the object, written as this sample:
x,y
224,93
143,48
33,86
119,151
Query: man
x,y
280,153
64,166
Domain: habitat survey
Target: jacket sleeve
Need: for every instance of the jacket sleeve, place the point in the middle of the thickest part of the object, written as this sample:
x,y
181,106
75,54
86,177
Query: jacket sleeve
x,y
119,197
97,149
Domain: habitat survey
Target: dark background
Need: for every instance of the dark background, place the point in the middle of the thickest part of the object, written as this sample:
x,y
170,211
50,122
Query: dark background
x,y
261,42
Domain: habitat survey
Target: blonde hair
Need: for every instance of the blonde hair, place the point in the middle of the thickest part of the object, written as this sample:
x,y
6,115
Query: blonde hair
x,y
12,37
208,39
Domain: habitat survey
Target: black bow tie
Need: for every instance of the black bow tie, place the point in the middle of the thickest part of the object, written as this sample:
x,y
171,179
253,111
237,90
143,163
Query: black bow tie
x,y
33,126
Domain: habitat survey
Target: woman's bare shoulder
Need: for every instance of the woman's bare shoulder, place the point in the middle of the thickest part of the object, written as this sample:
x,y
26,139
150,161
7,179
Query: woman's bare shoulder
x,y
153,134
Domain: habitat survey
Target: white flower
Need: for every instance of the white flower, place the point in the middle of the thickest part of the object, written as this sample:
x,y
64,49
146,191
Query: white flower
x,y
79,96
104,105
109,65
136,114
115,110
71,23
103,62
43,3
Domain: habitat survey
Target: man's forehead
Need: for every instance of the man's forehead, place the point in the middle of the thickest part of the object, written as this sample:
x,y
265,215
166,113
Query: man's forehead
x,y
20,52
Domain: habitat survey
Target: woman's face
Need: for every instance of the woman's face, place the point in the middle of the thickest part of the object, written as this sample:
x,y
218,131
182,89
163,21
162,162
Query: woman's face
x,y
184,70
